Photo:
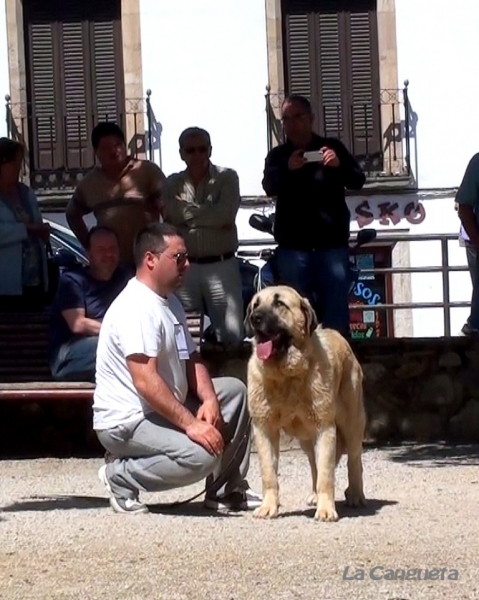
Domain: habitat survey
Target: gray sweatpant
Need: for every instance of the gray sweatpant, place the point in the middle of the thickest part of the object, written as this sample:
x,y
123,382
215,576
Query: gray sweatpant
x,y
152,455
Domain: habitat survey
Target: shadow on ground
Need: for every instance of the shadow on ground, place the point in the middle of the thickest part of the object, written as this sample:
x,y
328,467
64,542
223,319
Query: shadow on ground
x,y
436,455
345,512
47,503
192,509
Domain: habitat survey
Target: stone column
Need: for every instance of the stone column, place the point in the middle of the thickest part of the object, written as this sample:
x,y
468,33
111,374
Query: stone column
x,y
391,97
17,76
135,105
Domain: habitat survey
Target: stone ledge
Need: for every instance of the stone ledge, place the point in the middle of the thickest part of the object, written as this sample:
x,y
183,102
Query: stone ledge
x,y
416,391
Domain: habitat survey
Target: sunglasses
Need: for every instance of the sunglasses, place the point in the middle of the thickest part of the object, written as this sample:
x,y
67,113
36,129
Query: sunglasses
x,y
196,150
180,257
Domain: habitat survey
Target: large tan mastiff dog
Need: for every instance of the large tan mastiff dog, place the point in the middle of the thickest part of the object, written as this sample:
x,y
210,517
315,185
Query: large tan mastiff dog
x,y
305,380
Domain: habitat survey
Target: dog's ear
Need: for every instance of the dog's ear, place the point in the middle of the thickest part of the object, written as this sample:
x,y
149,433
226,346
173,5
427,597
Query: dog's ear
x,y
247,321
310,318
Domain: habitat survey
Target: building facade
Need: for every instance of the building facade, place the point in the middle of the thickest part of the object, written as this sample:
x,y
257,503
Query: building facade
x,y
159,67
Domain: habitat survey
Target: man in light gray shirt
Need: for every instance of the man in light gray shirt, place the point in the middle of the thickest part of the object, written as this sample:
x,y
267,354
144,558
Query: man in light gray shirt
x,y
202,202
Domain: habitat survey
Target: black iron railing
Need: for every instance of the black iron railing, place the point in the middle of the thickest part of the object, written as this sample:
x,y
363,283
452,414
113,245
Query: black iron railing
x,y
251,249
58,143
378,136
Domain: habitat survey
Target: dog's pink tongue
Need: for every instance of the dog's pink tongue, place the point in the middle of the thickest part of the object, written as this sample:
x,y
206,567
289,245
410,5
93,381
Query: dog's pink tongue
x,y
264,350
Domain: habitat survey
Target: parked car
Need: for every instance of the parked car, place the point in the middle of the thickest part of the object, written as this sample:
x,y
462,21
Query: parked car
x,y
67,250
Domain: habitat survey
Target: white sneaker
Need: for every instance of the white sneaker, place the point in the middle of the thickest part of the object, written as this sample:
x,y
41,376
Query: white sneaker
x,y
120,505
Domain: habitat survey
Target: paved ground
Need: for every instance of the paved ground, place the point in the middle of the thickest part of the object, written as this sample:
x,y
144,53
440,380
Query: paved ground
x,y
60,540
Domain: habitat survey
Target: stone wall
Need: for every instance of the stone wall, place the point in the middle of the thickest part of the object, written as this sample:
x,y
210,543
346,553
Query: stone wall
x,y
416,390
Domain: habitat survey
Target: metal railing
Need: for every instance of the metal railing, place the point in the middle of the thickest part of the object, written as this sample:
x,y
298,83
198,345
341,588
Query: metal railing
x,y
445,269
379,136
58,141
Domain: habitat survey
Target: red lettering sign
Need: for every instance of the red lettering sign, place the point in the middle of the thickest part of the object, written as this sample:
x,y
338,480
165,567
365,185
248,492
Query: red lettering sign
x,y
388,212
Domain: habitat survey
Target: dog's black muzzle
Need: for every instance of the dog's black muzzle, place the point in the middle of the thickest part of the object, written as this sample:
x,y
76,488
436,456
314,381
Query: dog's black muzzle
x,y
265,326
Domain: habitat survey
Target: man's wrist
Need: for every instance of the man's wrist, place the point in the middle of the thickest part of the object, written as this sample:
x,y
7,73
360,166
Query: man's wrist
x,y
187,420
209,400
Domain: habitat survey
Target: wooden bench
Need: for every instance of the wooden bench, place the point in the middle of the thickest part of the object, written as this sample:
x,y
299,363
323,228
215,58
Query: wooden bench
x,y
24,370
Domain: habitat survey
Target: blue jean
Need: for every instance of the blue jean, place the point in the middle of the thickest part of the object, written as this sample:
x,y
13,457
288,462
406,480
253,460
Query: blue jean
x,y
323,277
76,360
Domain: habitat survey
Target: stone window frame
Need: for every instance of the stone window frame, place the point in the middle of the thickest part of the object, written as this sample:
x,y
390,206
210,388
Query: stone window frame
x,y
388,66
132,64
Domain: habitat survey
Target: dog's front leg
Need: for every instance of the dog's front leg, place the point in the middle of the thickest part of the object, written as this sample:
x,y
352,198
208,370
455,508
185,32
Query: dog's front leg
x,y
325,450
267,446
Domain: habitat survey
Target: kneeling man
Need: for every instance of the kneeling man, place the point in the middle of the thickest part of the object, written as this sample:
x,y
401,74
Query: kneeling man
x,y
156,410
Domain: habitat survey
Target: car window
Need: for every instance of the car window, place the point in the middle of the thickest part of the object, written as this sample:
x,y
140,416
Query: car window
x,y
70,240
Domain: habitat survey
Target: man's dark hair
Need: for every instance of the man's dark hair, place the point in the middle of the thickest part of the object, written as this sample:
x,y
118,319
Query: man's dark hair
x,y
152,238
98,229
105,129
193,132
9,150
302,100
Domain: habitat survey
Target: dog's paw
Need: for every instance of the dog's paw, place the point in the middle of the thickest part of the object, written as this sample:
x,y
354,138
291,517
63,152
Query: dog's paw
x,y
266,511
355,498
312,500
326,512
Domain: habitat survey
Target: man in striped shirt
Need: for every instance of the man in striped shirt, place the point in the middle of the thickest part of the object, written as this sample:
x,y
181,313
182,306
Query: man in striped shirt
x,y
122,192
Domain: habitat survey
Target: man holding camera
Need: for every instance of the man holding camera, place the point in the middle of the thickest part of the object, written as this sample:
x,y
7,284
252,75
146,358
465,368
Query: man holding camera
x,y
308,175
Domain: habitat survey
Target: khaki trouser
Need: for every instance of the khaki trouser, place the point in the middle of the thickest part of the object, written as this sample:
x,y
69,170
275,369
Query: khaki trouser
x,y
217,289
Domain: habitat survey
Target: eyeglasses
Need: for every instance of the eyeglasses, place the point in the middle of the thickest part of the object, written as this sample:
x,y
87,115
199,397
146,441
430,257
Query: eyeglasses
x,y
196,150
180,257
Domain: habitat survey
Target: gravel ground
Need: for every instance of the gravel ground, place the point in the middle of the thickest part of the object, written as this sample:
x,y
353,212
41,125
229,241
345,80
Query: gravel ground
x,y
60,540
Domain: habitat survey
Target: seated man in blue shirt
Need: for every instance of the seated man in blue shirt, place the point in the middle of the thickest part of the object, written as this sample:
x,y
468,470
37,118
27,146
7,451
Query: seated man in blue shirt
x,y
82,299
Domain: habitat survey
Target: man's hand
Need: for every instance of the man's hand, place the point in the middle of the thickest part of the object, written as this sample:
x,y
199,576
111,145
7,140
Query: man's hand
x,y
330,158
210,412
207,436
296,160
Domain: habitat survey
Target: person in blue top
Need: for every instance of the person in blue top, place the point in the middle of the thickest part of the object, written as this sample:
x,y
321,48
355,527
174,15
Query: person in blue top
x,y
23,236
467,200
83,296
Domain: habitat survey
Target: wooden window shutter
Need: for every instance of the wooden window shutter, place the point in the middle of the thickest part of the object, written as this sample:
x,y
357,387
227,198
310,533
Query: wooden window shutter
x,y
299,60
331,92
107,63
76,91
42,85
74,51
331,52
361,40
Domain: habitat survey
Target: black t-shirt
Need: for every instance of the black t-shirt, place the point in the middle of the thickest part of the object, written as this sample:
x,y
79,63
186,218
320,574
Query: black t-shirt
x,y
311,209
78,289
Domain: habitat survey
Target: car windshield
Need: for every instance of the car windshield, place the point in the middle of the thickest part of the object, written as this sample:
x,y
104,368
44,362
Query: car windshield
x,y
63,239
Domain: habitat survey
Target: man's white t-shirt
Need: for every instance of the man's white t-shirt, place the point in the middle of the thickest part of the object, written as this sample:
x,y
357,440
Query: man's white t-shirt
x,y
138,322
